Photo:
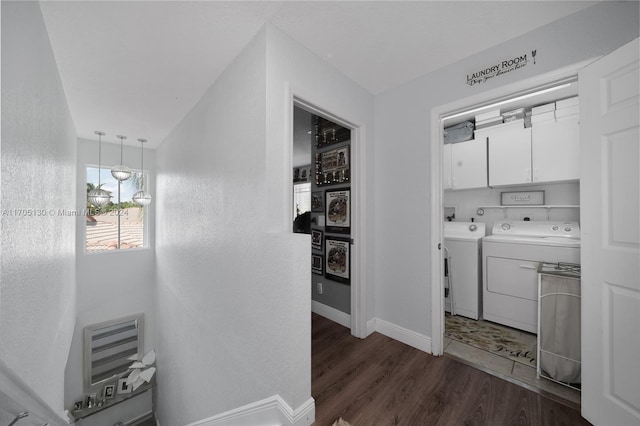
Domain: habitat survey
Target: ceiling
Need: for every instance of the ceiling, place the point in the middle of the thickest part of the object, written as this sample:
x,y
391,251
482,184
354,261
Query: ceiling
x,y
138,67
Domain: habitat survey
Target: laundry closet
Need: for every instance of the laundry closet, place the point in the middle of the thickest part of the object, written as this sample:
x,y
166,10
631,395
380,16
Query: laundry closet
x,y
511,172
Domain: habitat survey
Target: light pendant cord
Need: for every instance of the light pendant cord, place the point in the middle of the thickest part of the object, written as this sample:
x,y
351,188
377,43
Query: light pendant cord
x,y
100,135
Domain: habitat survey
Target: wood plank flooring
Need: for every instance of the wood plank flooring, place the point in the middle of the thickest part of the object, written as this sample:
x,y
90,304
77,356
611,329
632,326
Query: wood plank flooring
x,y
379,381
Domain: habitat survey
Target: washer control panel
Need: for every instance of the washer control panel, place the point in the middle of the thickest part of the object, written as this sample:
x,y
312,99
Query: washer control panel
x,y
566,229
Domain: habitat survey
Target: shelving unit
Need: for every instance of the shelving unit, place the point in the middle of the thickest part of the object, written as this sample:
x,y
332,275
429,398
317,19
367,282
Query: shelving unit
x,y
547,206
108,403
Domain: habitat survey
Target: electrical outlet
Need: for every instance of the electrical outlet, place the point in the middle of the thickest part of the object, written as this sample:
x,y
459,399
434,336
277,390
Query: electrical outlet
x,y
319,287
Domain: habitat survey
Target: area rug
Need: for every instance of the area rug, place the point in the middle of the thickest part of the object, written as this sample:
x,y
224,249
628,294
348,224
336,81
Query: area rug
x,y
341,422
516,345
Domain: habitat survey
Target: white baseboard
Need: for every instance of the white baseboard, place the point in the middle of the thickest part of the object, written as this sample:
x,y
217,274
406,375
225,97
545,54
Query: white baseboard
x,y
333,314
411,338
272,411
371,326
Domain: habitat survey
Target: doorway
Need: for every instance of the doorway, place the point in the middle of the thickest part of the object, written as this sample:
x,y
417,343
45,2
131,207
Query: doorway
x,y
325,149
476,205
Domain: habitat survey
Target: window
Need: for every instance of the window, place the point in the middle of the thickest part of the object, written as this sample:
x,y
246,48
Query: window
x,y
301,198
119,224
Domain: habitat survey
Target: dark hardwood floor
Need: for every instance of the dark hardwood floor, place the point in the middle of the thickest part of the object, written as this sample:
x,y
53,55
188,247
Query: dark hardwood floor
x,y
379,381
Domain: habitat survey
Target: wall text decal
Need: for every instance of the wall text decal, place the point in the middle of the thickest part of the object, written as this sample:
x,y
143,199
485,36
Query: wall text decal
x,y
508,65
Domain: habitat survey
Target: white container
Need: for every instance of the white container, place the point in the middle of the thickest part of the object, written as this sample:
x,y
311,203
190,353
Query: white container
x,y
543,108
569,102
545,116
566,112
489,115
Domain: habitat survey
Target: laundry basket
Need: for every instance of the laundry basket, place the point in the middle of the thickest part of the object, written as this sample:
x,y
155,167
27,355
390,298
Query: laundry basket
x,y
559,324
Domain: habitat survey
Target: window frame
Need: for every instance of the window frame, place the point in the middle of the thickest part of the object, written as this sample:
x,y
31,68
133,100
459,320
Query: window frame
x,y
146,241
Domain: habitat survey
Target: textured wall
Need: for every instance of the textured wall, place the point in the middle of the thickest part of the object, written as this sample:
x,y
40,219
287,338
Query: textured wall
x,y
125,284
225,298
37,293
403,290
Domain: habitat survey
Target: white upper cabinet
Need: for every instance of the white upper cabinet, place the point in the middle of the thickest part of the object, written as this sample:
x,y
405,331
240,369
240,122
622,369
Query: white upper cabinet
x,y
446,166
509,153
555,152
469,164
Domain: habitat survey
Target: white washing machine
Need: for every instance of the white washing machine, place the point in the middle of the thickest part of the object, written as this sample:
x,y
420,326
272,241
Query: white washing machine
x,y
510,261
463,248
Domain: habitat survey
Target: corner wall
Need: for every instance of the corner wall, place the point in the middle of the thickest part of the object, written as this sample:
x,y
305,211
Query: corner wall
x,y
37,290
403,288
225,302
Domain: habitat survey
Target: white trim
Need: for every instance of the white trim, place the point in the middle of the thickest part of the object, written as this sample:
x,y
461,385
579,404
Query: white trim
x,y
296,96
333,314
401,334
266,412
371,326
436,212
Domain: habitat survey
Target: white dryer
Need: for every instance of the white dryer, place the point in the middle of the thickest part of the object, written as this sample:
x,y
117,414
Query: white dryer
x,y
463,248
511,257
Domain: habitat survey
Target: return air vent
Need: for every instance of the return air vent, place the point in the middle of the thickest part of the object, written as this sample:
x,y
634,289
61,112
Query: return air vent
x,y
108,347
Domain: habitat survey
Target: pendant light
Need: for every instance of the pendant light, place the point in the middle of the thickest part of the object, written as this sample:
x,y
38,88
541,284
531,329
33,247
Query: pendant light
x,y
98,196
121,172
142,198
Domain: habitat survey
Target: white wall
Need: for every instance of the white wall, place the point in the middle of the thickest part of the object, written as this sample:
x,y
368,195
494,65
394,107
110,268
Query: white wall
x,y
225,302
403,115
37,293
233,296
294,70
111,284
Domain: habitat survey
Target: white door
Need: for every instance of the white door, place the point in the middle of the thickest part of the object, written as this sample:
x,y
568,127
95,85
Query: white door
x,y
469,164
610,194
555,150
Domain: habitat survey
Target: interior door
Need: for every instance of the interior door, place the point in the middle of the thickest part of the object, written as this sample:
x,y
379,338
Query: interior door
x,y
609,194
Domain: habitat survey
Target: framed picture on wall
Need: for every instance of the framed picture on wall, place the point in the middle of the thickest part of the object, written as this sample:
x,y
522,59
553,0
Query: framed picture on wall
x,y
333,167
317,201
316,239
337,263
317,263
338,211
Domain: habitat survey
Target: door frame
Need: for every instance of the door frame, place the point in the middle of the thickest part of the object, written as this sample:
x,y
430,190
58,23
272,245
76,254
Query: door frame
x,y
358,290
436,136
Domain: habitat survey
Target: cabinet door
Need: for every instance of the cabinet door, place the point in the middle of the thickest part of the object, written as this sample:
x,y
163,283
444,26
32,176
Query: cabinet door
x,y
469,164
509,154
555,154
446,166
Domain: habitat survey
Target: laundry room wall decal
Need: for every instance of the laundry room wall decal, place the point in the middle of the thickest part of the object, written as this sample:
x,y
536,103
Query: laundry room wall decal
x,y
501,68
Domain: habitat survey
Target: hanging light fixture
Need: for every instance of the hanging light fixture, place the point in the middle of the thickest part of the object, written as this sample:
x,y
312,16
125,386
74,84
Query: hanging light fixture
x,y
121,172
142,198
98,196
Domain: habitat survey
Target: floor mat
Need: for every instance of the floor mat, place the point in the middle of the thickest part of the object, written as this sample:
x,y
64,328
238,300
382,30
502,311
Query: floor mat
x,y
507,342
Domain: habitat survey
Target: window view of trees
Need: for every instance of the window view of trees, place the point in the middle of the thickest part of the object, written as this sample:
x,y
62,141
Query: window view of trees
x,y
120,223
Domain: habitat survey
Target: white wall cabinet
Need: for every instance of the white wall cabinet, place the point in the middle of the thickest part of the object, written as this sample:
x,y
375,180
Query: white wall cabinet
x,y
509,153
555,150
469,164
446,166
549,151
